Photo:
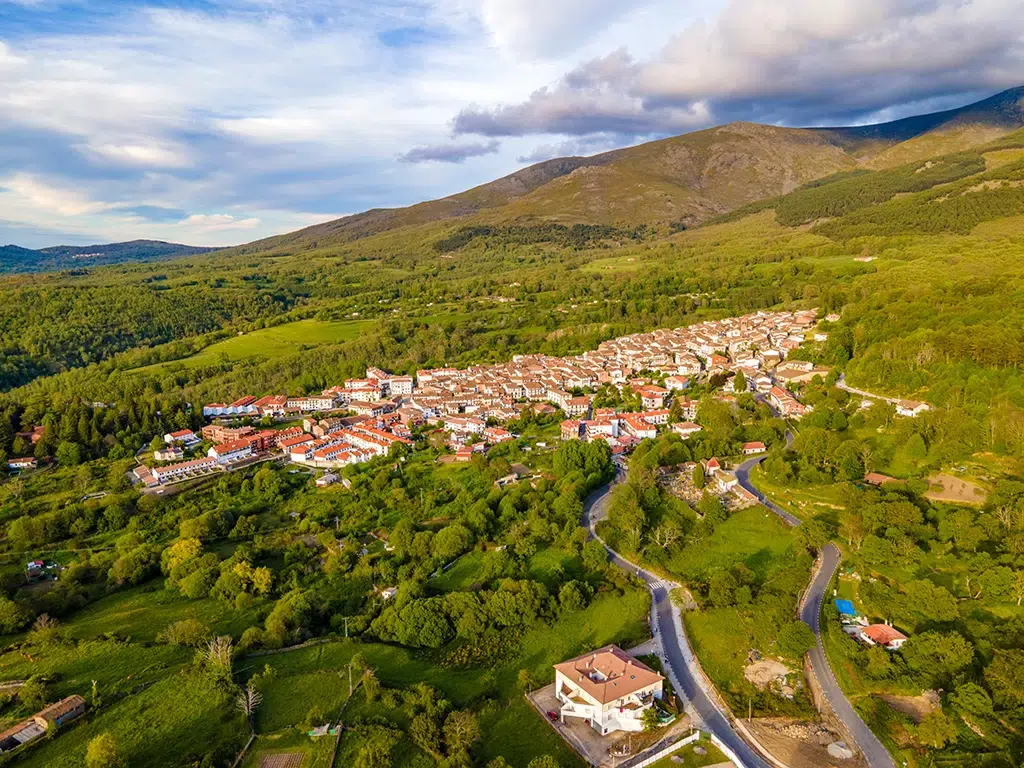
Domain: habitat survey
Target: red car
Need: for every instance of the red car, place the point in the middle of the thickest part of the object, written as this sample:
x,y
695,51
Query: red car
x,y
552,716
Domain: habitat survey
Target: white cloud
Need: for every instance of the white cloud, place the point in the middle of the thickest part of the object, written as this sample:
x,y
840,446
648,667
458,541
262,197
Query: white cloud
x,y
794,61
23,190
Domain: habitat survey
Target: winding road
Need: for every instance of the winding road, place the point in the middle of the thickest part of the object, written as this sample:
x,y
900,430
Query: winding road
x,y
682,665
810,613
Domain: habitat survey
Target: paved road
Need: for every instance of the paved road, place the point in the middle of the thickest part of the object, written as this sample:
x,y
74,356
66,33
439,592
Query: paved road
x,y
682,664
743,476
810,612
841,384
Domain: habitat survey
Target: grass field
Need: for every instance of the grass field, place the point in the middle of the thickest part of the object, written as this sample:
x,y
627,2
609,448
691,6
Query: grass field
x,y
753,536
116,666
690,759
722,636
805,502
266,343
144,612
172,723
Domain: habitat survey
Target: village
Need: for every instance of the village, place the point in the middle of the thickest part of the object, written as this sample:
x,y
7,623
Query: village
x,y
363,418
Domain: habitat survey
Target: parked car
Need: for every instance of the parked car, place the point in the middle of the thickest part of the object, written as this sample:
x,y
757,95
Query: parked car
x,y
552,716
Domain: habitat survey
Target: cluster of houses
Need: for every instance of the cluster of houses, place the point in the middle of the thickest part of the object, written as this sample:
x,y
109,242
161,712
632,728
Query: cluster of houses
x,y
53,716
363,418
858,627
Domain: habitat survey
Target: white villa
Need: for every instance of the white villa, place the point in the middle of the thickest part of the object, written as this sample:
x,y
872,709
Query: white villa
x,y
607,688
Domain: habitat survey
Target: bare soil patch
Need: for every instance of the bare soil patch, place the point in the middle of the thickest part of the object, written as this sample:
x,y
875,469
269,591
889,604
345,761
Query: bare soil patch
x,y
800,744
762,673
282,760
955,490
914,707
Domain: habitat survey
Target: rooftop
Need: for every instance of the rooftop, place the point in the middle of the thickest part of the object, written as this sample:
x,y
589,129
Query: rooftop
x,y
608,673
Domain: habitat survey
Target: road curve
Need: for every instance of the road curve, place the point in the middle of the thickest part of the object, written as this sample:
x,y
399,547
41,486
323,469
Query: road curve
x,y
743,477
682,665
810,613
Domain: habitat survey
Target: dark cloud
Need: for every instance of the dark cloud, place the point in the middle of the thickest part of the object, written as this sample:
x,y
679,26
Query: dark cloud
x,y
796,62
449,153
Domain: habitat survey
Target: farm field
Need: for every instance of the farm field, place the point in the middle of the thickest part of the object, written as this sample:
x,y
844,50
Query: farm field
x,y
268,343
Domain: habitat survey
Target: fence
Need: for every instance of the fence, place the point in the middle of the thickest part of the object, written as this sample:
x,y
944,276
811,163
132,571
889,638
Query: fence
x,y
652,759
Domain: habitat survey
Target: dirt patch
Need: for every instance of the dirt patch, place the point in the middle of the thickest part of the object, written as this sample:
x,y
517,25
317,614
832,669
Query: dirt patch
x,y
766,671
955,490
914,707
800,744
282,760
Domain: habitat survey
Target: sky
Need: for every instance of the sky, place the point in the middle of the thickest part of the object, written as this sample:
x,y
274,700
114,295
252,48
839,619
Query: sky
x,y
217,122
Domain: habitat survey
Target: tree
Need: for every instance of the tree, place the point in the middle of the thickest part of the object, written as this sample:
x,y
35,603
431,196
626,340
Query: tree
x,y
544,761
915,447
69,454
13,616
1005,677
739,382
461,731
247,701
525,680
972,699
217,658
699,477
102,752
936,730
33,693
650,719
938,656
795,639
190,632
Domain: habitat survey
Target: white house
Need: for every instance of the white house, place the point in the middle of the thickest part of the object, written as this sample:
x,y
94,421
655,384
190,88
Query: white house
x,y
910,408
884,635
186,437
607,688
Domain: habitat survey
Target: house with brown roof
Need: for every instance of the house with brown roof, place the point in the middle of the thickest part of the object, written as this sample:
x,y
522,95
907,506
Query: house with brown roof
x,y
884,635
608,688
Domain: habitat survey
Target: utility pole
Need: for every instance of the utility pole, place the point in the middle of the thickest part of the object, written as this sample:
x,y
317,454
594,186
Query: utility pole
x,y
346,627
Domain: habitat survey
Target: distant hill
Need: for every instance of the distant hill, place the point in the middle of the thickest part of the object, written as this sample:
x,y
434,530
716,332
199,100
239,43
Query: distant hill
x,y
14,259
684,180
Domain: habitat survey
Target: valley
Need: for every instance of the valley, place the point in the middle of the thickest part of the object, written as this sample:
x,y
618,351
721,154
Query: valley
x,y
733,356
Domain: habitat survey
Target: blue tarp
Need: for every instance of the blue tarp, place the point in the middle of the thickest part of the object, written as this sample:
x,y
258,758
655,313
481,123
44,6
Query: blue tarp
x,y
846,608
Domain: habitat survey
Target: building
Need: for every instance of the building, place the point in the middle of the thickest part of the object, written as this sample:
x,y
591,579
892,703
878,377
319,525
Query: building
x,y
686,428
22,463
186,437
910,408
749,449
326,479
58,714
186,469
236,450
884,635
62,712
608,689
171,453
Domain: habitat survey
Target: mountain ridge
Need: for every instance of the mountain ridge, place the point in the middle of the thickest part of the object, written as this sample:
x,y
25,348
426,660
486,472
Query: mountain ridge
x,y
685,179
14,259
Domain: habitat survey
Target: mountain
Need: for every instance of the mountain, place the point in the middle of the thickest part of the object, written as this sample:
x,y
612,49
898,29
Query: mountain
x,y
16,259
685,179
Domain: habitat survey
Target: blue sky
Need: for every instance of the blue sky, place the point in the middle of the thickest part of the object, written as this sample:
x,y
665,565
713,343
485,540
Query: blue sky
x,y
222,122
